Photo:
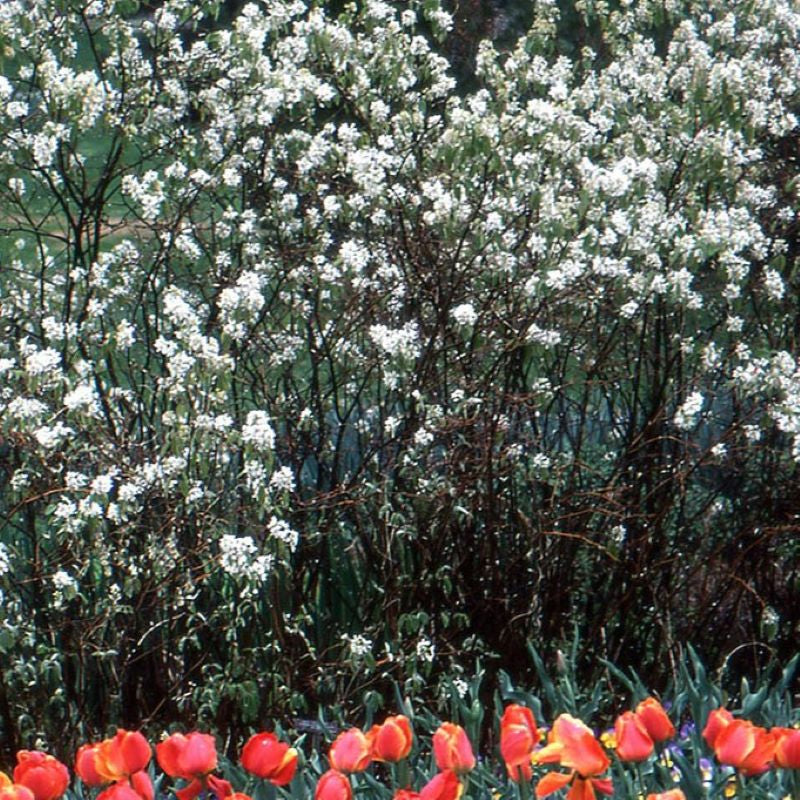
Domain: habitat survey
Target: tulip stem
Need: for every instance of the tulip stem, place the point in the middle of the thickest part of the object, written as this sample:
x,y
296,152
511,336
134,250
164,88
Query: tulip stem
x,y
640,778
523,790
402,778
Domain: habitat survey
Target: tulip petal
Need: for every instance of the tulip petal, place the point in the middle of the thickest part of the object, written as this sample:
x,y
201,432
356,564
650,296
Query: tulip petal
x,y
734,743
552,782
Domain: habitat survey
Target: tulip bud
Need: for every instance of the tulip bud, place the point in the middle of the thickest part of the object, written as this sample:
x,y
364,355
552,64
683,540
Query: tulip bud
x,y
405,794
518,736
333,785
633,743
444,786
392,740
652,715
119,791
452,748
265,757
350,751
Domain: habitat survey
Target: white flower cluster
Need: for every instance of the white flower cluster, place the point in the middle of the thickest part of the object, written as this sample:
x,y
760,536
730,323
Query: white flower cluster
x,y
238,558
396,342
281,531
359,645
686,414
258,432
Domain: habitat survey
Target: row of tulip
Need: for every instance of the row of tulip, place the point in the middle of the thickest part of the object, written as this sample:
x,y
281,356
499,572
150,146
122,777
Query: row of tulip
x,y
120,764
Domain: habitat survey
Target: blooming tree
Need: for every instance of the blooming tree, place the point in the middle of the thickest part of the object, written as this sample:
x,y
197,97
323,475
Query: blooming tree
x,y
299,337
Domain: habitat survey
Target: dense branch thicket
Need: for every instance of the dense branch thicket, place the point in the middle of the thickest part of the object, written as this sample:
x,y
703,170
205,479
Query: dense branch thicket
x,y
321,371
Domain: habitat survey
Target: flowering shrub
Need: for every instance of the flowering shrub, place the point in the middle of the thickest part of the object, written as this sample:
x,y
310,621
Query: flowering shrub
x,y
322,372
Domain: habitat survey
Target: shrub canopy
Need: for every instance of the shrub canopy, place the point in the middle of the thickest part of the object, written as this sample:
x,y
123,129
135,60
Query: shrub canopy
x,y
321,370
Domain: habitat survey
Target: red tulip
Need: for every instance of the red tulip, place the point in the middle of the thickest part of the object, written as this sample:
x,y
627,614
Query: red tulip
x,y
239,796
444,786
44,775
122,755
265,757
392,740
745,746
192,757
142,785
518,736
787,747
333,785
718,719
221,789
85,765
652,715
452,748
119,791
405,794
350,751
573,745
188,757
672,794
633,742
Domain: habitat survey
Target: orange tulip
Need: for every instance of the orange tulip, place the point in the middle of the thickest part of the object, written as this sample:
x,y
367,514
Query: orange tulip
x,y
333,785
191,756
43,774
122,755
573,745
15,791
633,742
787,747
392,740
718,719
745,746
652,715
518,736
672,794
265,757
444,786
452,749
350,751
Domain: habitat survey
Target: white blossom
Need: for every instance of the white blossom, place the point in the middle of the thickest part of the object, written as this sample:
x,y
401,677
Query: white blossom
x,y
258,432
687,412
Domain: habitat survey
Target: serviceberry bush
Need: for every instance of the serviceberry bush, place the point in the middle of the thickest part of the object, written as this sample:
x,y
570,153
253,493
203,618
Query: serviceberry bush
x,y
322,371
